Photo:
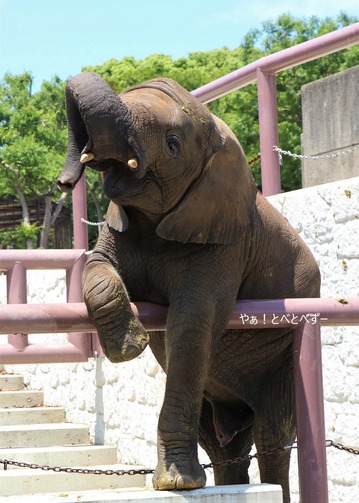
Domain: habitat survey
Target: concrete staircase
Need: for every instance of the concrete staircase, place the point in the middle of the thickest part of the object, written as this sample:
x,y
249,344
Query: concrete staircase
x,y
32,433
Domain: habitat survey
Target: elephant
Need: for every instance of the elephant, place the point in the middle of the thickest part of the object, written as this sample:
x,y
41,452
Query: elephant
x,y
187,228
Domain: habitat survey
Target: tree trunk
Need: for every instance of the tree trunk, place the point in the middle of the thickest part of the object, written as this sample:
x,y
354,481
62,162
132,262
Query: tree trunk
x,y
25,215
46,225
58,208
49,219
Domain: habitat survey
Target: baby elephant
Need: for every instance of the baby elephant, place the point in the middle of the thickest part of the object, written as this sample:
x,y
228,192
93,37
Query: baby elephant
x,y
187,228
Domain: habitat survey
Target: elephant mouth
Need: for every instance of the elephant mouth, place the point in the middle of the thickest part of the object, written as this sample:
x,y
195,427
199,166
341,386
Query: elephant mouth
x,y
118,181
101,166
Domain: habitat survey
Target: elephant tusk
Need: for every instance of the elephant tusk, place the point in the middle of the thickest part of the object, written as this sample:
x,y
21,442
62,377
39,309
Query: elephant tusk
x,y
86,157
132,164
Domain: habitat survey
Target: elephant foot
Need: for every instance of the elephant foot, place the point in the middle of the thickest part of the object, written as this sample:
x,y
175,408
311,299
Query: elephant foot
x,y
179,476
124,348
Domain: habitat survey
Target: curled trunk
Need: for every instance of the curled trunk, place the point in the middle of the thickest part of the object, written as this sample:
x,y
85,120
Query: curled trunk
x,y
96,119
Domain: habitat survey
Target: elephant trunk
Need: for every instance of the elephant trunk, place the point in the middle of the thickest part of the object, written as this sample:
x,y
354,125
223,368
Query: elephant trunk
x,y
96,117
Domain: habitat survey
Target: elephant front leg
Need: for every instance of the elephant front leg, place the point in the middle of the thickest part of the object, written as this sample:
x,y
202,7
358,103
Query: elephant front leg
x,y
121,334
188,352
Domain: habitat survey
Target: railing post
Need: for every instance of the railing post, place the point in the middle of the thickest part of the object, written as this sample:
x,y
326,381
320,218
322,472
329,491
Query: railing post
x,y
74,294
308,380
73,276
17,294
268,132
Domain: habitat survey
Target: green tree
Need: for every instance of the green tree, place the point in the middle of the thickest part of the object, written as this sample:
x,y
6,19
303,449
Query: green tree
x,y
33,144
32,147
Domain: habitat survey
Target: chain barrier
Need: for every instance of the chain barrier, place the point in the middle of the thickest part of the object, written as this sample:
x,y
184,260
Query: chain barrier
x,y
249,457
92,223
341,447
315,157
144,471
255,159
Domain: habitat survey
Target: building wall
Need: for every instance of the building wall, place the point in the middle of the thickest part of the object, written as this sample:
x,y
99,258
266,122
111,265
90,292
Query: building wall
x,y
121,403
331,125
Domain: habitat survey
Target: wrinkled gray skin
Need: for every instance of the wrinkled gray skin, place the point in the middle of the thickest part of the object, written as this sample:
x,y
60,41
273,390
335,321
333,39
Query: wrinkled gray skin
x,y
187,228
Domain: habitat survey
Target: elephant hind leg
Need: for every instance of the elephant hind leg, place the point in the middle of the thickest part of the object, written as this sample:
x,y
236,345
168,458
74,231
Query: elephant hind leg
x,y
240,445
274,469
275,426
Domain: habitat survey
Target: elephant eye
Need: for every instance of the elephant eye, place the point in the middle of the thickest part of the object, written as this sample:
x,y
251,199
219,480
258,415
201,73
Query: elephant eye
x,y
173,144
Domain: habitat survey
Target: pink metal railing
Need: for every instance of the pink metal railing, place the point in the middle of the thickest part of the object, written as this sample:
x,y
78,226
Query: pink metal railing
x,y
263,71
15,318
15,263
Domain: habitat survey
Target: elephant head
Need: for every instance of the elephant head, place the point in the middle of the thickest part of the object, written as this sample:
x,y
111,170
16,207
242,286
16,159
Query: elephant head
x,y
163,153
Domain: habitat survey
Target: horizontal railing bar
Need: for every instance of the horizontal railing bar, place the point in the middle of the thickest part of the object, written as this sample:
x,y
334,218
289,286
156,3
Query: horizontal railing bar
x,y
44,318
41,353
39,259
282,60
73,317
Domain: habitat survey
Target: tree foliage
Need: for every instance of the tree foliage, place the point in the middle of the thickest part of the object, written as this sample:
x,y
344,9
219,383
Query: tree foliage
x,y
32,146
33,127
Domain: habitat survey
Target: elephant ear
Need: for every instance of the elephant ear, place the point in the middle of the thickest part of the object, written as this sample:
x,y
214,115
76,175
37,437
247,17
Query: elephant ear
x,y
219,206
116,217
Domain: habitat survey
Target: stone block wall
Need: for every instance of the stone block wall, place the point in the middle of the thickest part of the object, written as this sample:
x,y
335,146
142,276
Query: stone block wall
x,y
331,125
327,218
121,403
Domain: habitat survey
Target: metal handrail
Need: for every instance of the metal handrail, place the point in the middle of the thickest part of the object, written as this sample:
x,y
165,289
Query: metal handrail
x,y
264,72
249,314
279,61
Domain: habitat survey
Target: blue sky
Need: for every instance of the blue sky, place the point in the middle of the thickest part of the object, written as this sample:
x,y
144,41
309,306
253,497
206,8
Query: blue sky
x,y
59,37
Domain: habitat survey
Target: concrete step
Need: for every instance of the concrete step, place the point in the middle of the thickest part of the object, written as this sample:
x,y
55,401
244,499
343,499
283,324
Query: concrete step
x,y
34,434
256,493
12,416
21,398
84,455
29,482
41,435
11,382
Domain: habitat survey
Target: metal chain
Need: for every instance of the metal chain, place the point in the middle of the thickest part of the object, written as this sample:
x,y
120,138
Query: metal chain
x,y
323,156
92,223
144,471
249,457
341,447
87,471
255,159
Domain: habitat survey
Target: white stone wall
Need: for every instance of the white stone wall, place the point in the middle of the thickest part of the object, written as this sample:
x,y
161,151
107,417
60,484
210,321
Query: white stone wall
x,y
327,218
120,403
